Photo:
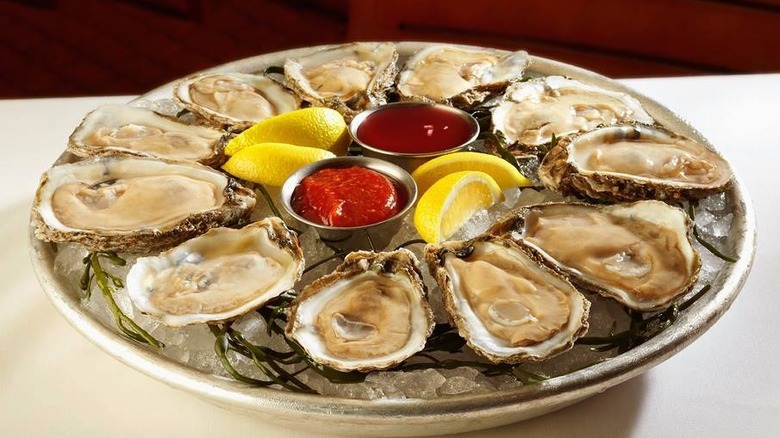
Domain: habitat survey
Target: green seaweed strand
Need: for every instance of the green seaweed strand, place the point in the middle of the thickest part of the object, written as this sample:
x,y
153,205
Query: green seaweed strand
x,y
107,283
710,247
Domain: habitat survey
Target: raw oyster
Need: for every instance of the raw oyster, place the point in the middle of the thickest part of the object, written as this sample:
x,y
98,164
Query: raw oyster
x,y
234,100
633,162
220,275
129,130
532,112
507,306
640,254
369,314
459,76
129,204
348,78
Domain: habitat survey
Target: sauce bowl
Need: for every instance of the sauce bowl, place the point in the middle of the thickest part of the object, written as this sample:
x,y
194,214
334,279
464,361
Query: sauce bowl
x,y
413,132
373,236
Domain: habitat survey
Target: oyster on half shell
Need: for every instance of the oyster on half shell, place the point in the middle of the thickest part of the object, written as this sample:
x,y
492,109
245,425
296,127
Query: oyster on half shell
x,y
507,306
348,78
459,76
639,254
234,100
129,130
531,112
220,275
131,204
371,313
633,162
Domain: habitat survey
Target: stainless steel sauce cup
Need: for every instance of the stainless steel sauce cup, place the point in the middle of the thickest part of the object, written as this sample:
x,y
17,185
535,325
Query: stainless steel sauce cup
x,y
374,236
411,161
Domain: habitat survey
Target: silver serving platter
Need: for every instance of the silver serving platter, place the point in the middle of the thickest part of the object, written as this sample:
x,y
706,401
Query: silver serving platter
x,y
451,414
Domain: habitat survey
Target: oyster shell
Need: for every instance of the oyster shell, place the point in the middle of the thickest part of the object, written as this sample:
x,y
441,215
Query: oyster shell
x,y
129,204
129,130
234,100
220,275
369,314
507,306
459,76
639,254
633,162
531,112
348,78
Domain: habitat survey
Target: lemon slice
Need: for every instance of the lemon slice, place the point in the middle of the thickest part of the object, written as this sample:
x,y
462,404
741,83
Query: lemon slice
x,y
315,127
451,201
501,171
272,163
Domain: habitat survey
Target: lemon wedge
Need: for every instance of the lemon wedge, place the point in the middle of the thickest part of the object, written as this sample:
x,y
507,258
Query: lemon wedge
x,y
315,127
501,171
272,163
451,201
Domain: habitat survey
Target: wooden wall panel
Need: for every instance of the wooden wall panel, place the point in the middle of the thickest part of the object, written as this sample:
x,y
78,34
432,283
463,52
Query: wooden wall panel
x,y
70,47
663,36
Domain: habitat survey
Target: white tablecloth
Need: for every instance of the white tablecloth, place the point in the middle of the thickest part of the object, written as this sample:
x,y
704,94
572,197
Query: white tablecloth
x,y
53,382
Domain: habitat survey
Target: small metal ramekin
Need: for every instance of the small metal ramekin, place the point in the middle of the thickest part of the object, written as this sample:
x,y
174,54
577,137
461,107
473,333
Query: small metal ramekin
x,y
369,237
410,161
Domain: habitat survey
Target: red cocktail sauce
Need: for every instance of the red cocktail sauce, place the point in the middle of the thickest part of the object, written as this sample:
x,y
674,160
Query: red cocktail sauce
x,y
414,129
347,197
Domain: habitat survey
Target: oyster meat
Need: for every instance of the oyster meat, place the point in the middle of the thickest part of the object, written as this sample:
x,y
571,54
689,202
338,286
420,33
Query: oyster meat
x,y
633,162
639,254
234,100
220,275
130,204
531,112
369,314
459,76
348,78
129,130
507,306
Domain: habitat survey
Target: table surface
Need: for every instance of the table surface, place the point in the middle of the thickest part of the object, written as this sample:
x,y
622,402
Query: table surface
x,y
55,383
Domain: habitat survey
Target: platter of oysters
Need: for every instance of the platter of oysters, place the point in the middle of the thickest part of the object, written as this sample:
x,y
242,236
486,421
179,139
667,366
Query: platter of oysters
x,y
632,237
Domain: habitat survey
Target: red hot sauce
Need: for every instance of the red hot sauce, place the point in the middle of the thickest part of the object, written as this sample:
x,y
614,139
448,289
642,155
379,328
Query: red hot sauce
x,y
347,197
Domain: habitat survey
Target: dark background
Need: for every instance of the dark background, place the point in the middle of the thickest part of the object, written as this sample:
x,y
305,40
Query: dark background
x,y
98,47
